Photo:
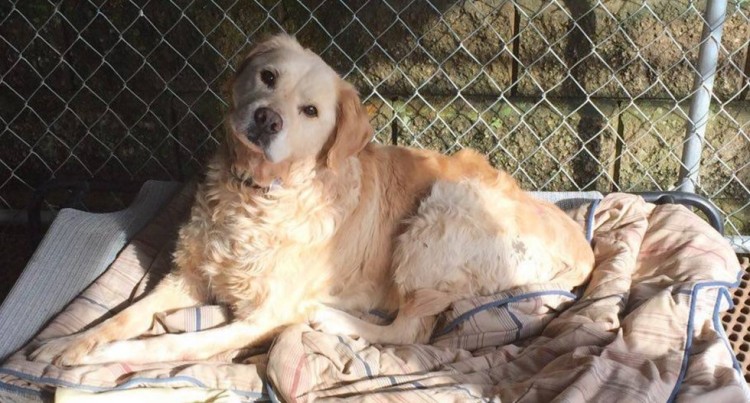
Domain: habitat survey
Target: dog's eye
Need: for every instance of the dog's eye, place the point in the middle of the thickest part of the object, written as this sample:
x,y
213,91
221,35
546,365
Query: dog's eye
x,y
268,78
310,111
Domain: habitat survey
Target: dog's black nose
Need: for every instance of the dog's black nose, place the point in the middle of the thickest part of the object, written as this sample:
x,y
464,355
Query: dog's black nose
x,y
268,121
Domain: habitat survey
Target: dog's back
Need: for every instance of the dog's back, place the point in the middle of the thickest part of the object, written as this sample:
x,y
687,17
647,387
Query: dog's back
x,y
462,203
463,229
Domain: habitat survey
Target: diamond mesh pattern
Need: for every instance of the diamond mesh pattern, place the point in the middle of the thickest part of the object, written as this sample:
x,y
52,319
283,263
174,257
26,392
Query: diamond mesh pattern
x,y
564,94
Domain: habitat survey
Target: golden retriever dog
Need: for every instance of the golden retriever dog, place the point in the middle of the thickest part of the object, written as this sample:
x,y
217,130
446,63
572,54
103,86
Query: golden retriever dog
x,y
302,219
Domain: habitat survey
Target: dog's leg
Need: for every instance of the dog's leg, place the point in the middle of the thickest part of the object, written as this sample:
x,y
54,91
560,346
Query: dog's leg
x,y
403,330
187,346
413,324
170,293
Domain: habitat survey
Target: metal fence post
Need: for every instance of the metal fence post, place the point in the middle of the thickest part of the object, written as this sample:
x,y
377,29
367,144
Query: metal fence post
x,y
708,59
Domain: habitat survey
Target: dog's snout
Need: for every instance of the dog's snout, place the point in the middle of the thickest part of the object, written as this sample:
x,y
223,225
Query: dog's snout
x,y
268,121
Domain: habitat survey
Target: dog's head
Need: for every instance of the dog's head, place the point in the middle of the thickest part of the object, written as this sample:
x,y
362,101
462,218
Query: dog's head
x,y
287,105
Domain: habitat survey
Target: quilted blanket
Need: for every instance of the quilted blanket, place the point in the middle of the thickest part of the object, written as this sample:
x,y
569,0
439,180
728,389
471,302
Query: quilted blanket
x,y
645,328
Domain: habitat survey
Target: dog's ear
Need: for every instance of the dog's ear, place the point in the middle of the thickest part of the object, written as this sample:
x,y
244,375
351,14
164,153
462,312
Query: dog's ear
x,y
353,130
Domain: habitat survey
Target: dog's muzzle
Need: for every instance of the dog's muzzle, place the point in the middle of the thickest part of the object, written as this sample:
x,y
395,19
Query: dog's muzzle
x,y
266,124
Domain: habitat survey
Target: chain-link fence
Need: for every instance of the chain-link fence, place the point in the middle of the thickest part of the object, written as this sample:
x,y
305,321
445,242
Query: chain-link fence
x,y
564,94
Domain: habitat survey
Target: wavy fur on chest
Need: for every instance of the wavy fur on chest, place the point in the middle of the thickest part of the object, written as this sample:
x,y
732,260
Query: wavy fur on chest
x,y
241,240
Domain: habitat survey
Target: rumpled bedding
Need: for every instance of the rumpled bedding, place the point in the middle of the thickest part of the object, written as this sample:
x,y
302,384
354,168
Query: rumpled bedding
x,y
645,328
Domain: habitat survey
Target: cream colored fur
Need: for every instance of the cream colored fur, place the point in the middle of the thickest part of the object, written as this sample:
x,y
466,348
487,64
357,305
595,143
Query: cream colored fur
x,y
353,227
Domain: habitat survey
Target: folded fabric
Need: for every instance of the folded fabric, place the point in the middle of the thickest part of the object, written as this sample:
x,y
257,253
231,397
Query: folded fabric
x,y
646,328
147,395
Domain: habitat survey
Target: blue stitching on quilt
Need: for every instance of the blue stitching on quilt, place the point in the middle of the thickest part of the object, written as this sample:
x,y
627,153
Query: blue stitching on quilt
x,y
518,323
590,220
59,382
480,398
689,339
495,304
97,303
20,390
367,367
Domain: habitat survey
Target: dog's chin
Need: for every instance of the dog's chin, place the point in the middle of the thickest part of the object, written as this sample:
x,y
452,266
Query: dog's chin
x,y
250,144
263,151
257,148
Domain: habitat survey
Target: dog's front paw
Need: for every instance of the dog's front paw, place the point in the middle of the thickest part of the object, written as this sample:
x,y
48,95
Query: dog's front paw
x,y
65,351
